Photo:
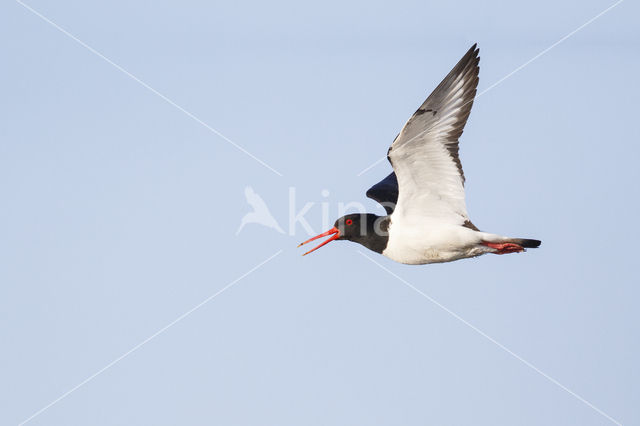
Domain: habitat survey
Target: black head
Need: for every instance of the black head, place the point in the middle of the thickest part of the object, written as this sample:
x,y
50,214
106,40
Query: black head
x,y
363,228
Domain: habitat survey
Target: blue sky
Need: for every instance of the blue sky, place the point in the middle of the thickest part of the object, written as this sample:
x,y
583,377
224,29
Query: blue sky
x,y
120,211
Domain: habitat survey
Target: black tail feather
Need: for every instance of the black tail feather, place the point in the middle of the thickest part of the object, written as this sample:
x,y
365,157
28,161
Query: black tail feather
x,y
526,243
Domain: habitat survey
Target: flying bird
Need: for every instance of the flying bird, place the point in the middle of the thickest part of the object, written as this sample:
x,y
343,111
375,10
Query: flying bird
x,y
427,220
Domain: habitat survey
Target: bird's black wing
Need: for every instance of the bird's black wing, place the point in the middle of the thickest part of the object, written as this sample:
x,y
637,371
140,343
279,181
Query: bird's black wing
x,y
385,192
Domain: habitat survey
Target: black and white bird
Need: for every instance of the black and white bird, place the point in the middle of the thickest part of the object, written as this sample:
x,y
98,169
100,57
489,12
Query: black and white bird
x,y
427,219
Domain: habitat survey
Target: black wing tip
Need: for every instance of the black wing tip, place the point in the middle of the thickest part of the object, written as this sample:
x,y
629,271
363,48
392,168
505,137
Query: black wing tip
x,y
473,51
469,64
371,193
385,192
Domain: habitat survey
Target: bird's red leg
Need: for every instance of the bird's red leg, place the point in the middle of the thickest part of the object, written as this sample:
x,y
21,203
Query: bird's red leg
x,y
505,248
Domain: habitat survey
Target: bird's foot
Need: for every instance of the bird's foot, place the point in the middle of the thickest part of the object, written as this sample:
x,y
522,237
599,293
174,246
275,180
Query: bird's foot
x,y
505,248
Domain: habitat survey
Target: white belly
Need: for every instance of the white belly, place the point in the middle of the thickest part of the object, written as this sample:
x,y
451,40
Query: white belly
x,y
417,244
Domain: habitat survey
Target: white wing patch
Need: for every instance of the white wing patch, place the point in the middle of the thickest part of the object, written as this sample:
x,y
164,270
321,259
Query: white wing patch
x,y
425,153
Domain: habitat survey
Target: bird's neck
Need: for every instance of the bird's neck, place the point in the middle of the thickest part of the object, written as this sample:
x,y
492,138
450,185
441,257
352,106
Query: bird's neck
x,y
377,235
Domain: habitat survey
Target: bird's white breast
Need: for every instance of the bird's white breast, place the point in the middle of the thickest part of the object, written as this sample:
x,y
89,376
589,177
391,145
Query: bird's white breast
x,y
422,241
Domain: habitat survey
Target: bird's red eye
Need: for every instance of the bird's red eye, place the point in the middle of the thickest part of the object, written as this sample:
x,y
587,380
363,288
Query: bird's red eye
x,y
349,222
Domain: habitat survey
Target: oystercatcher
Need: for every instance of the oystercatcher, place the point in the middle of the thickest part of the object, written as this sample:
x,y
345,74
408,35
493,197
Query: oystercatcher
x,y
427,219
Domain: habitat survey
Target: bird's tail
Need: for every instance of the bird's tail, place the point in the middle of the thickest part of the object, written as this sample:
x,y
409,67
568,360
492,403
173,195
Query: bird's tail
x,y
525,242
504,245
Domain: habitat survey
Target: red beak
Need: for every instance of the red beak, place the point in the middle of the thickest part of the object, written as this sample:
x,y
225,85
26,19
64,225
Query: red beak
x,y
334,232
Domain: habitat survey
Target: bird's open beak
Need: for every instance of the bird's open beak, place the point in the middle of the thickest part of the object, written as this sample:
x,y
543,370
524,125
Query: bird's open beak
x,y
334,232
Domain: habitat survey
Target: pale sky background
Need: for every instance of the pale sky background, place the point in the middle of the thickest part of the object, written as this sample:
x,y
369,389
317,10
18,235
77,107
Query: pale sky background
x,y
118,214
